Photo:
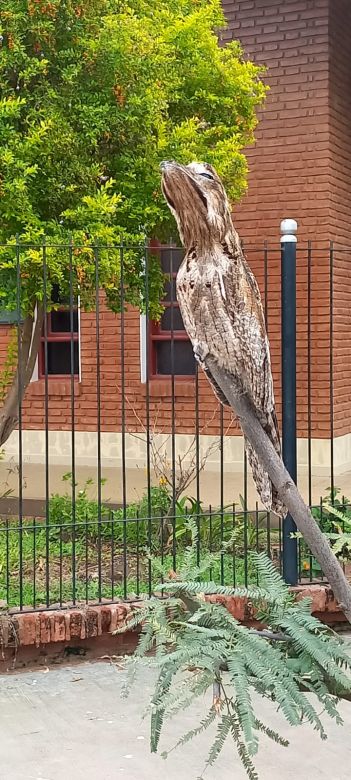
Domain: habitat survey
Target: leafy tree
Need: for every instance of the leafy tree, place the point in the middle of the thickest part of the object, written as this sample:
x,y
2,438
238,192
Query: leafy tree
x,y
93,95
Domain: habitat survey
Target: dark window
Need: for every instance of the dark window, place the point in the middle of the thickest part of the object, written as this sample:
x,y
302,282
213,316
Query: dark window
x,y
61,343
171,350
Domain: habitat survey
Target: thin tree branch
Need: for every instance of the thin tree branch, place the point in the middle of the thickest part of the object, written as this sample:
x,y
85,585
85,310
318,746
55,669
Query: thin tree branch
x,y
27,354
34,346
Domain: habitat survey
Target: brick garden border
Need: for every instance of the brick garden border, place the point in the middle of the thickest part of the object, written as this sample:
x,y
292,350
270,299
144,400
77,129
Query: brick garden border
x,y
79,625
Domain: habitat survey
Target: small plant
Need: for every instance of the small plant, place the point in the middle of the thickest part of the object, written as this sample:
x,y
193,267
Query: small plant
x,y
333,516
340,538
196,646
83,511
5,492
323,513
87,517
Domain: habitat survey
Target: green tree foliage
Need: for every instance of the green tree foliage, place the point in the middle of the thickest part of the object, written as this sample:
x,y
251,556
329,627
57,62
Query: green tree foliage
x,y
93,95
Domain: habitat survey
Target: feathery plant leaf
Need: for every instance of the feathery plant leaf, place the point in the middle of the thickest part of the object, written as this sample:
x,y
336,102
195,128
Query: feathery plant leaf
x,y
198,647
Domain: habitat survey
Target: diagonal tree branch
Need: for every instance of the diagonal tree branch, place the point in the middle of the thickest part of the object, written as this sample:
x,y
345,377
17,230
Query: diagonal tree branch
x,y
284,485
27,355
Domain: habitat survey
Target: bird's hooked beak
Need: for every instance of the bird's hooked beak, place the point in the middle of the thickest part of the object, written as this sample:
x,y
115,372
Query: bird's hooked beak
x,y
165,164
169,169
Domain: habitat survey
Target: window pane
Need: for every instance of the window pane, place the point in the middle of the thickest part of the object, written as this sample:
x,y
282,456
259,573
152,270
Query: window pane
x,y
170,291
58,297
59,357
55,294
171,260
61,322
183,358
166,322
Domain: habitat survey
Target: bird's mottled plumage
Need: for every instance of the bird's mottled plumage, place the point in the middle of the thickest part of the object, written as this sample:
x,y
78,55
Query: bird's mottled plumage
x,y
220,300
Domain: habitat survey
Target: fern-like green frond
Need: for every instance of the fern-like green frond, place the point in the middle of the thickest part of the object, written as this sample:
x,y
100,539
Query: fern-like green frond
x,y
204,724
162,686
238,676
244,754
223,731
273,735
269,578
195,644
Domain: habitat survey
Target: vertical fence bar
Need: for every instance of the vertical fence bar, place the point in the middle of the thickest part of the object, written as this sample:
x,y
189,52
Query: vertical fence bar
x,y
221,456
61,568
266,299
246,569
147,415
197,461
73,423
123,421
138,552
234,550
20,438
331,364
280,545
46,423
265,266
7,563
86,560
309,372
174,524
288,326
112,532
98,393
210,535
269,552
34,564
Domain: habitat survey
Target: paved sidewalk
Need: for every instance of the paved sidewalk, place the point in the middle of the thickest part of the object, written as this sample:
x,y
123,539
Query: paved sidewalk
x,y
71,723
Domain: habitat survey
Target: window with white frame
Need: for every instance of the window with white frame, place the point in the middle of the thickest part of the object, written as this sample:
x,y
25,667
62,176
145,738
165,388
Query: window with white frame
x,y
60,343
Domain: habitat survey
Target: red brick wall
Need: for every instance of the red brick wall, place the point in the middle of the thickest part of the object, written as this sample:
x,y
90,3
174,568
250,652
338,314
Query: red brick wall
x,y
340,137
86,393
299,167
290,161
290,174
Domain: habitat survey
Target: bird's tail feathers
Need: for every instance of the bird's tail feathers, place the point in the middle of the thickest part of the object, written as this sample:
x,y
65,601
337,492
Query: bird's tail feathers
x,y
265,488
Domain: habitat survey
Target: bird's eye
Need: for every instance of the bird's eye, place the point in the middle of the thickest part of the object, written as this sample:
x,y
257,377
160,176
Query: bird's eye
x,y
207,176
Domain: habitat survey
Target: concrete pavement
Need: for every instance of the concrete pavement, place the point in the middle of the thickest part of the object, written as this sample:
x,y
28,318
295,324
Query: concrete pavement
x,y
71,723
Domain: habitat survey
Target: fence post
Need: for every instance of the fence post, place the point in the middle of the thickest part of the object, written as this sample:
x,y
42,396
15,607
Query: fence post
x,y
288,228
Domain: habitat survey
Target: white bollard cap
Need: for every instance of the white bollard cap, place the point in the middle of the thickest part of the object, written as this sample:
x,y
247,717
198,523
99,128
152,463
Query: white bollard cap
x,y
288,229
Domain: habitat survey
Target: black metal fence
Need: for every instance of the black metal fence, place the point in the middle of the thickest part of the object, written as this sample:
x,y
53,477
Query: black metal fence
x,y
122,458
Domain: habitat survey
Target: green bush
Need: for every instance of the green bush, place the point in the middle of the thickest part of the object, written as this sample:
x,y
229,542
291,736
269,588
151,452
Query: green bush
x,y
154,522
84,516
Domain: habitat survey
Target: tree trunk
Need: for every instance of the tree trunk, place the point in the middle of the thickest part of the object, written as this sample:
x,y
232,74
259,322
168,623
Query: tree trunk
x,y
285,486
27,354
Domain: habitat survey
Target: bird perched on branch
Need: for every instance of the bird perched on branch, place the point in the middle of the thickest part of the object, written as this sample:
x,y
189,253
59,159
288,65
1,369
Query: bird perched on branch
x,y
220,300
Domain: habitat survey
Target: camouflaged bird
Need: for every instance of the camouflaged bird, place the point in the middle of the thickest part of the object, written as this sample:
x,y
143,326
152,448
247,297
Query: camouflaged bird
x,y
220,300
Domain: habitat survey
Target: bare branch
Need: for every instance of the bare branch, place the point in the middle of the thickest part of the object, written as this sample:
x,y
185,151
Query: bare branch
x,y
27,355
34,345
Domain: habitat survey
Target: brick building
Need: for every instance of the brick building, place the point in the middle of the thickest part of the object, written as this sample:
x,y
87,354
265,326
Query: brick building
x,y
300,167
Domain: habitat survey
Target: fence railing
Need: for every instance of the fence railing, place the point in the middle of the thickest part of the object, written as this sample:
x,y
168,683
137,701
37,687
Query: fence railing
x,y
121,452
